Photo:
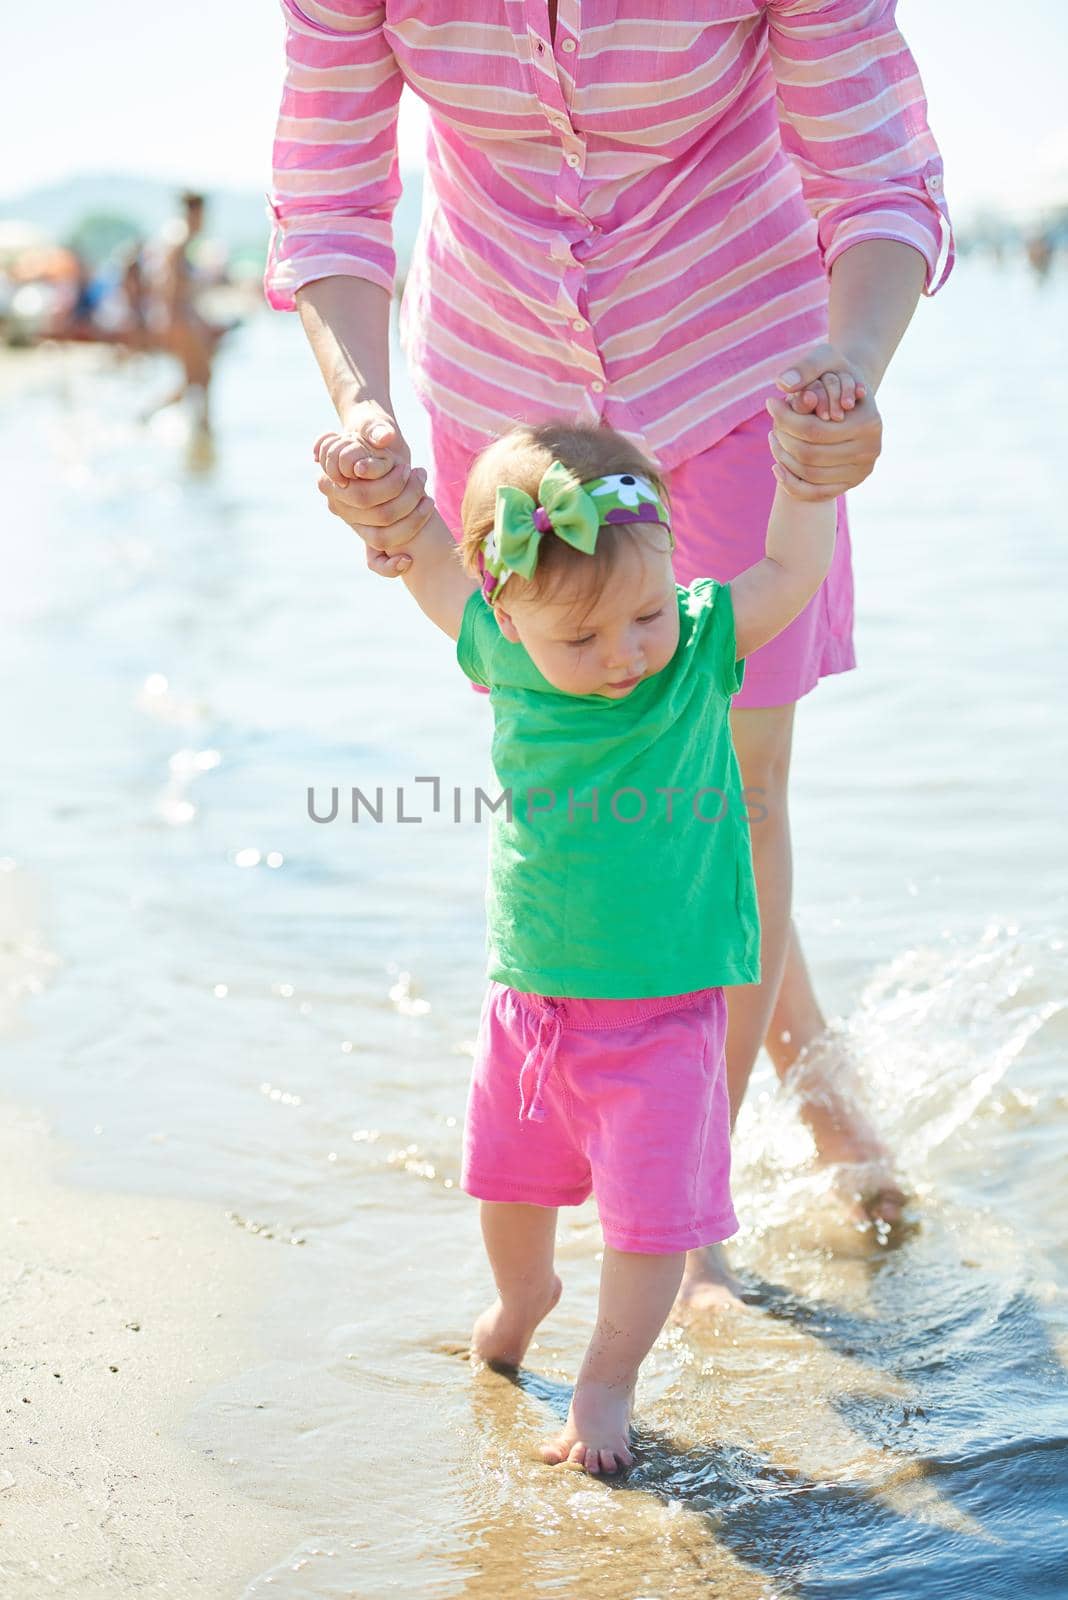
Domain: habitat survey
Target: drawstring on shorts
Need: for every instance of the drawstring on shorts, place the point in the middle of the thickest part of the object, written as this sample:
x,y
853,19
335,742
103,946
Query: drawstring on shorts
x,y
541,1056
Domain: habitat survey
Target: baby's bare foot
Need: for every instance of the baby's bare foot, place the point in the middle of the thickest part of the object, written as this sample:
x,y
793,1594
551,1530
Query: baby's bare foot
x,y
503,1332
597,1432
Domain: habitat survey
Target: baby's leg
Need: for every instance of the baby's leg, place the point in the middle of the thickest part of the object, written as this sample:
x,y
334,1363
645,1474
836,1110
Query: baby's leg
x,y
637,1292
519,1241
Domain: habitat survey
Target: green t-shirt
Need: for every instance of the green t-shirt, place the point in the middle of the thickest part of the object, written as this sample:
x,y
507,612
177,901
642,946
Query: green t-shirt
x,y
603,884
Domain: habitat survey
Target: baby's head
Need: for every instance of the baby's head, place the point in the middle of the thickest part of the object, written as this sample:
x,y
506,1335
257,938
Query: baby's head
x,y
595,616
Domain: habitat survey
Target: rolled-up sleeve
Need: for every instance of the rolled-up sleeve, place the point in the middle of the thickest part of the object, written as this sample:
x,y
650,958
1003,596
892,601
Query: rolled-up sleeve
x,y
854,119
336,174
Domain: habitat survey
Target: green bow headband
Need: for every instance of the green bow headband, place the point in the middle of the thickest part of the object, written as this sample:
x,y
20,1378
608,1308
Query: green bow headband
x,y
572,510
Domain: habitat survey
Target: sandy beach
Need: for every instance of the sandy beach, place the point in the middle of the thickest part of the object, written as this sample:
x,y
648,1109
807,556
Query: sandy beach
x,y
118,1311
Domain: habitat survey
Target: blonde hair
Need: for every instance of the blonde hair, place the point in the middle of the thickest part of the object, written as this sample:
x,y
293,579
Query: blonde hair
x,y
519,458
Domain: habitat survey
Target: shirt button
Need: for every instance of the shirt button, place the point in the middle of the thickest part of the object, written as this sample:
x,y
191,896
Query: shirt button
x,y
597,386
578,324
568,45
573,160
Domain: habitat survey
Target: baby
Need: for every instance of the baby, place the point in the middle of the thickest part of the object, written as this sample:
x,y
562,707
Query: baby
x,y
621,897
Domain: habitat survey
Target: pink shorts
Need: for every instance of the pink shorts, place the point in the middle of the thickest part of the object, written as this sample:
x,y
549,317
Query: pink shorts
x,y
626,1099
721,500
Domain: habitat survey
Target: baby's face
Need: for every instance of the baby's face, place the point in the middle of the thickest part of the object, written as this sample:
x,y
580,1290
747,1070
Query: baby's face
x,y
630,632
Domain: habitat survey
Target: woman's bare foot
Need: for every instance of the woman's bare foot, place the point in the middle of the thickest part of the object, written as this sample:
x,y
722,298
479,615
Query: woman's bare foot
x,y
503,1332
708,1284
597,1432
831,1108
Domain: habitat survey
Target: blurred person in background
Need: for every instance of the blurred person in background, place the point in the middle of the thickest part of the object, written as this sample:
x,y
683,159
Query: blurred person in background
x,y
135,296
649,219
177,325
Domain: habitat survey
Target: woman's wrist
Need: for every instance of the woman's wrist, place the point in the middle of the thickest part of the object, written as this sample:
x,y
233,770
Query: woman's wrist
x,y
867,364
874,289
354,409
346,320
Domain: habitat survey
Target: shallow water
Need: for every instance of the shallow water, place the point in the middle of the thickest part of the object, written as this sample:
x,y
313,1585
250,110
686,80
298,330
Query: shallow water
x,y
217,996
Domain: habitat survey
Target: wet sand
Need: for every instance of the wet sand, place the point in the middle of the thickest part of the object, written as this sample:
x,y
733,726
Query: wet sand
x,y
118,1311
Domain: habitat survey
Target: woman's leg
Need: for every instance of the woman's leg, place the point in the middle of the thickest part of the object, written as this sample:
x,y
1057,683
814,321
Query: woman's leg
x,y
782,1010
830,1096
637,1292
762,741
520,1242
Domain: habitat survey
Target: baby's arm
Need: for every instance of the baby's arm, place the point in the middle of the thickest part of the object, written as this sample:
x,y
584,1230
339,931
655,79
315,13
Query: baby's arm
x,y
429,562
435,577
798,551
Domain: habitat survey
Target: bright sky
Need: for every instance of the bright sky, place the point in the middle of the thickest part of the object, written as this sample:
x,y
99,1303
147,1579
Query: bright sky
x,y
188,93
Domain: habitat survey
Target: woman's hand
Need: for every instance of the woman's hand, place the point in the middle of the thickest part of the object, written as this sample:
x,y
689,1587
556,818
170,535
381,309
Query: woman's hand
x,y
825,381
366,475
827,433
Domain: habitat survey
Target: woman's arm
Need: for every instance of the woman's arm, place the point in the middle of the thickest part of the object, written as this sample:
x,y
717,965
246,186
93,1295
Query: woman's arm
x,y
335,187
336,176
874,290
798,551
853,117
346,321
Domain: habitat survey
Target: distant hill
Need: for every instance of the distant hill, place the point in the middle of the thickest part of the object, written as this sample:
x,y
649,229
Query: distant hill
x,y
236,217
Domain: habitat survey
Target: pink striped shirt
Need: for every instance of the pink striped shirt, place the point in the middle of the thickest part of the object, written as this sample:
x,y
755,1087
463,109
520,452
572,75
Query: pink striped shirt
x,y
631,223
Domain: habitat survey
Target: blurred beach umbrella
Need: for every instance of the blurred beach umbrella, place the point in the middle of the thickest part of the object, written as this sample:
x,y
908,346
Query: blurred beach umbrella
x,y
100,234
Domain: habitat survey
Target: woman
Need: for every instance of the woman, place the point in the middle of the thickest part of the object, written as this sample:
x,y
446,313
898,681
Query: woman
x,y
649,221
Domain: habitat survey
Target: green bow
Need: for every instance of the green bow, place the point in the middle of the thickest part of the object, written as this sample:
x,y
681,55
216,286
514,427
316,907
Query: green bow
x,y
574,511
574,516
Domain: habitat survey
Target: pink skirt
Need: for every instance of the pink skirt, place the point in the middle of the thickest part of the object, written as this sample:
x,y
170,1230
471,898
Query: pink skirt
x,y
721,500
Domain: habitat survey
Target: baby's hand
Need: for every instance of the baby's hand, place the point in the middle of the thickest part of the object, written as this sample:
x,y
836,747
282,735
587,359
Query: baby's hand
x,y
343,461
831,395
823,381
